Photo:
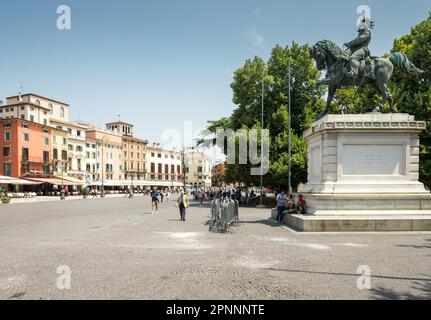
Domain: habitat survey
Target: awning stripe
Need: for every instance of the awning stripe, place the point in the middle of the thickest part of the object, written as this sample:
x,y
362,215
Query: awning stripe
x,y
56,182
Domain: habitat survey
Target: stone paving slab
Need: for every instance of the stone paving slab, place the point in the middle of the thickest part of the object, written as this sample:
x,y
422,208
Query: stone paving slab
x,y
117,249
57,199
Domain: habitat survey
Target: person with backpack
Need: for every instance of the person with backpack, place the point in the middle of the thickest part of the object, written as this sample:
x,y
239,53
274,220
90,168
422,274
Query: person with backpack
x,y
182,204
154,201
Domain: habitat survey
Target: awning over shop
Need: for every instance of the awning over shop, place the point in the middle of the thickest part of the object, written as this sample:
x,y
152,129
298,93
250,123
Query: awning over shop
x,y
77,182
108,183
16,181
53,181
136,183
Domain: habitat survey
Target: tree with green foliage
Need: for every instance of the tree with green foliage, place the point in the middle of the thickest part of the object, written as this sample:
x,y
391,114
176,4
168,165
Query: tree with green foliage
x,y
413,95
306,104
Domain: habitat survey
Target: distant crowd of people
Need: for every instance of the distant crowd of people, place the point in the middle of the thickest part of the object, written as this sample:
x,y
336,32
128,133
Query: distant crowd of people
x,y
241,195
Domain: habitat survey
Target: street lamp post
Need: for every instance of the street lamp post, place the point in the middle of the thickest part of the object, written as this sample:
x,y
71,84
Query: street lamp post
x,y
290,133
261,139
183,162
62,182
133,175
105,140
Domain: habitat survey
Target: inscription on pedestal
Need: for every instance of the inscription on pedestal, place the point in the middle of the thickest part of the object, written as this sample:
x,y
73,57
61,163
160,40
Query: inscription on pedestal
x,y
373,160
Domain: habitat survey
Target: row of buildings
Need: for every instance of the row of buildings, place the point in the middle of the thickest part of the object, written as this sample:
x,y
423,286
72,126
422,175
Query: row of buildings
x,y
39,143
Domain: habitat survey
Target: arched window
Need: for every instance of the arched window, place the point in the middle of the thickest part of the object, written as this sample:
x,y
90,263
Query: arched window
x,y
50,107
62,112
37,102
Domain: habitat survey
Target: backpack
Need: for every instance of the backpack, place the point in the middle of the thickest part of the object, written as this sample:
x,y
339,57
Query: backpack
x,y
155,196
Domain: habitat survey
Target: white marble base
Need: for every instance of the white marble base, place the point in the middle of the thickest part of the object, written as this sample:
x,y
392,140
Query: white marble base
x,y
360,223
365,163
368,204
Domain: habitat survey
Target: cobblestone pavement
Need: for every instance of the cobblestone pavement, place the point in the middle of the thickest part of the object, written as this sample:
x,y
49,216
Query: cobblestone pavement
x,y
117,249
57,199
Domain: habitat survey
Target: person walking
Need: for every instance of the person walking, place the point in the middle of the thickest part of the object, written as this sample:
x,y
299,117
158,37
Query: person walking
x,y
182,204
131,194
161,196
201,197
281,206
154,201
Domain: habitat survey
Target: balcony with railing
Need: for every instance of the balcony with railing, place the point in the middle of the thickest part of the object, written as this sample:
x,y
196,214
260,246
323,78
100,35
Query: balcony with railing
x,y
76,171
202,174
35,167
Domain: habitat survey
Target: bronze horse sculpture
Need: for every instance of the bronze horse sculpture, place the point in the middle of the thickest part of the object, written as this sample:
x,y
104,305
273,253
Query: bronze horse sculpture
x,y
374,71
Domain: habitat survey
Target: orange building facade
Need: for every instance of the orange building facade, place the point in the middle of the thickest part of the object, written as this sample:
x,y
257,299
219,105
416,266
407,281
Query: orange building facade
x,y
25,149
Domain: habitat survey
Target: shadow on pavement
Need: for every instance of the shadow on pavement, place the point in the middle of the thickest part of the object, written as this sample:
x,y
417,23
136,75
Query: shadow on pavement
x,y
427,280
389,294
426,245
267,222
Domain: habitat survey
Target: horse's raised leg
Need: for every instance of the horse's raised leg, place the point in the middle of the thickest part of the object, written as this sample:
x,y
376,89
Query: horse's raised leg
x,y
331,93
383,89
383,94
391,102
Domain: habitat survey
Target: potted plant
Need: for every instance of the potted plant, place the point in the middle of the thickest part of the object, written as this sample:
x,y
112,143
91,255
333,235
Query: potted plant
x,y
84,192
5,199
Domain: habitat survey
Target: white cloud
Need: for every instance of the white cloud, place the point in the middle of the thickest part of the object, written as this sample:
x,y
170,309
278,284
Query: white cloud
x,y
256,38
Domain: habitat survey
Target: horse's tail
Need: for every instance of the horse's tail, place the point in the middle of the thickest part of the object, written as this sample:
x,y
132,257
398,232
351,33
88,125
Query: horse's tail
x,y
401,61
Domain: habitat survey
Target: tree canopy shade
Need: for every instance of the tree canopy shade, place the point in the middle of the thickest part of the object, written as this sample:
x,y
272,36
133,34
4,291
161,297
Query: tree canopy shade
x,y
412,95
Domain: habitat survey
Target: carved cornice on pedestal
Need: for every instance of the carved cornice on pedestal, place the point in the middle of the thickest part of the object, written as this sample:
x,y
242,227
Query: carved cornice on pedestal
x,y
354,122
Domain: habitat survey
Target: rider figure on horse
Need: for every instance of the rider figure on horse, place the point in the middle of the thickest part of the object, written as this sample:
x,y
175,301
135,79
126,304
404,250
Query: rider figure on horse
x,y
359,50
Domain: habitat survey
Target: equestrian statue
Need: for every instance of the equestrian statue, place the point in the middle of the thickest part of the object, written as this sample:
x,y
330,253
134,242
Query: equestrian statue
x,y
355,67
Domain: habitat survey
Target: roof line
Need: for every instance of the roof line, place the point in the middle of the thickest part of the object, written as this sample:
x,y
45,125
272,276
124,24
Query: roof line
x,y
39,96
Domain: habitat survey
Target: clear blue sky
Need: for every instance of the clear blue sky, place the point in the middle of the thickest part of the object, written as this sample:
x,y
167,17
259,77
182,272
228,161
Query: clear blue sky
x,y
158,63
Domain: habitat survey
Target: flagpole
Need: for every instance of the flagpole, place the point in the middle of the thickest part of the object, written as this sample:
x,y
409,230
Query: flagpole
x,y
290,133
261,139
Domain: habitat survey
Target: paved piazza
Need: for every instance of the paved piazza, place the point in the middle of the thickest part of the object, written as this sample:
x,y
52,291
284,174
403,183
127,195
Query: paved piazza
x,y
116,249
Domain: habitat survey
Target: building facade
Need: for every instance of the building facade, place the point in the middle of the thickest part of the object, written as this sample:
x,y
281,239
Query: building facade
x,y
59,151
197,169
134,153
91,164
38,140
108,155
164,167
75,164
34,108
26,148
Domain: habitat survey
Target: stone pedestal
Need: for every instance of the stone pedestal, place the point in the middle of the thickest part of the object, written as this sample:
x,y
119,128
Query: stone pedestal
x,y
365,164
